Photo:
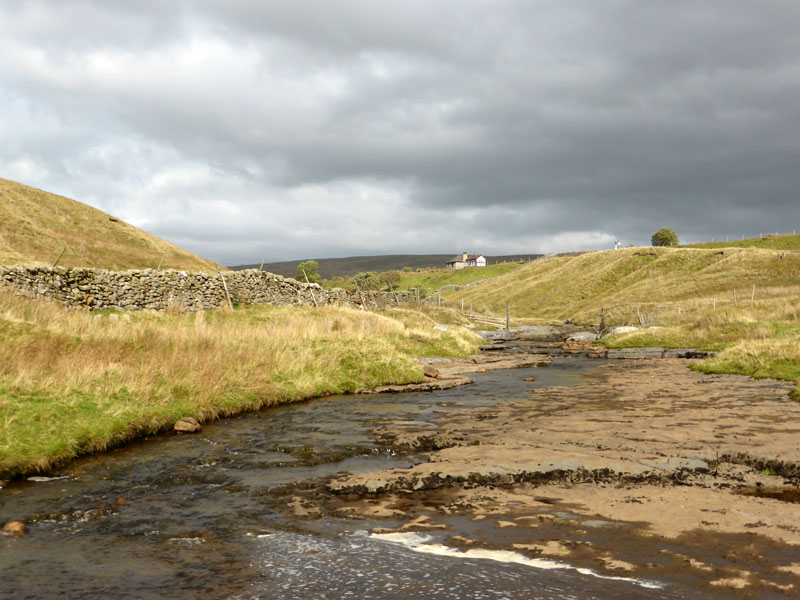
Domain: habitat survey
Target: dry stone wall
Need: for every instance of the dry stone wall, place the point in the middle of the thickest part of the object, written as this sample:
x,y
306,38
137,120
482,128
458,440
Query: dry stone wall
x,y
97,289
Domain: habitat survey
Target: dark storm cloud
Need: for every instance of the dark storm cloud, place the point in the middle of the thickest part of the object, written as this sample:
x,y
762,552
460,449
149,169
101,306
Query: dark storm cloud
x,y
243,130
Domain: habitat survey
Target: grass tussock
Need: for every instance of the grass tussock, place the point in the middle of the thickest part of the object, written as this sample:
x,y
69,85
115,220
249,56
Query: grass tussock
x,y
73,382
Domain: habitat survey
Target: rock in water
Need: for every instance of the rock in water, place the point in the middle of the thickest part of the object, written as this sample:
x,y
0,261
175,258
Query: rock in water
x,y
187,425
14,529
430,371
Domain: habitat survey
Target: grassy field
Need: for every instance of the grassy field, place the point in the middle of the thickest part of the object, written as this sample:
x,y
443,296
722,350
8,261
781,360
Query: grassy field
x,y
773,242
431,280
635,279
436,279
36,225
73,382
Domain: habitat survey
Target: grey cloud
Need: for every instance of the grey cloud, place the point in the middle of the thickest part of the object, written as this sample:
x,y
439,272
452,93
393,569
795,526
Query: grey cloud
x,y
508,122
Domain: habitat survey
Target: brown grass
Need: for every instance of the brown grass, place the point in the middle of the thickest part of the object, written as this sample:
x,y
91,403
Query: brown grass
x,y
36,225
73,382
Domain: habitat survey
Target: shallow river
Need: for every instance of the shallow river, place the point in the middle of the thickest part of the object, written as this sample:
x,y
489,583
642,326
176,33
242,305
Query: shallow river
x,y
187,516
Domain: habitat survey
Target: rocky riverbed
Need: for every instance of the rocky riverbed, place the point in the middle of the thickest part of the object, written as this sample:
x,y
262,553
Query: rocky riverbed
x,y
647,469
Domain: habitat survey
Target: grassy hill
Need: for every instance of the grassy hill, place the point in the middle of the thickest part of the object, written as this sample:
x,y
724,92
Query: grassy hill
x,y
349,266
644,279
774,242
743,302
434,280
36,225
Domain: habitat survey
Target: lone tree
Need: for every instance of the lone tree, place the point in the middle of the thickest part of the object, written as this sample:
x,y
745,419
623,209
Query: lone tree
x,y
308,269
665,237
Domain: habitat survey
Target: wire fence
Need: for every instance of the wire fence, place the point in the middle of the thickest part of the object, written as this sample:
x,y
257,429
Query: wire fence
x,y
643,314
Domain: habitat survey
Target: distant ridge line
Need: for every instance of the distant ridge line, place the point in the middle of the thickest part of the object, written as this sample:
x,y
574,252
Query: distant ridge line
x,y
352,265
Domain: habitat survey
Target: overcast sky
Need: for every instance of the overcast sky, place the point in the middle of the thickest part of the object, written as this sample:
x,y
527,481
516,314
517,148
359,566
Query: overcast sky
x,y
248,130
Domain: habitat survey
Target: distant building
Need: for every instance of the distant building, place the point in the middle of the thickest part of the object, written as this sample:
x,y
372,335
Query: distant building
x,y
464,260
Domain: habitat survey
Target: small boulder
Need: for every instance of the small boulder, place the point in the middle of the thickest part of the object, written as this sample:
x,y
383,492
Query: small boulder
x,y
187,425
14,529
430,371
530,379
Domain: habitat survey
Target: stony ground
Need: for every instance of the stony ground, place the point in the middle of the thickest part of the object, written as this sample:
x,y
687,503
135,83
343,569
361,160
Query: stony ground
x,y
647,469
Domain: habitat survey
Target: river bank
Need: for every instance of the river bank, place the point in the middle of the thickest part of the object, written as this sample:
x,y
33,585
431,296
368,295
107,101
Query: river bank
x,y
74,383
646,470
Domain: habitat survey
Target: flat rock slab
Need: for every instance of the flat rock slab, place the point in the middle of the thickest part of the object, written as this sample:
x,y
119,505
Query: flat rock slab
x,y
430,384
667,462
635,353
507,464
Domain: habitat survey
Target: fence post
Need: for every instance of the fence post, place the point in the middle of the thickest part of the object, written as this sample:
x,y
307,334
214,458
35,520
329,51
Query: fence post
x,y
161,262
60,254
225,286
602,319
262,265
313,297
508,317
753,295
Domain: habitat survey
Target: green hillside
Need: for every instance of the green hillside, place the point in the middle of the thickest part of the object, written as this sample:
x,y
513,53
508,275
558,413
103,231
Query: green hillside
x,y
626,280
773,242
431,281
36,225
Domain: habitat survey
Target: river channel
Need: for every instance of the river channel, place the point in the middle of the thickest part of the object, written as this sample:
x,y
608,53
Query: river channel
x,y
205,515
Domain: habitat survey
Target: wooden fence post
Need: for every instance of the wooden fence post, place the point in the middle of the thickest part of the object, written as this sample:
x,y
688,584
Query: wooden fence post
x,y
508,317
313,297
753,295
262,265
225,286
60,254
361,295
161,262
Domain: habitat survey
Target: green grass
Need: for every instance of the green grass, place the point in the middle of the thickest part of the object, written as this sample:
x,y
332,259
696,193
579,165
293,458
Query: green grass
x,y
775,242
760,341
690,291
625,280
71,384
436,279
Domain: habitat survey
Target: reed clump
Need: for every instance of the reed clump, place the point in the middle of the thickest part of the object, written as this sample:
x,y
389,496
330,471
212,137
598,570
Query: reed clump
x,y
73,382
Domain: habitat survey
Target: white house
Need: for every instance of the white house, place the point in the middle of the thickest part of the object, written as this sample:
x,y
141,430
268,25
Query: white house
x,y
465,260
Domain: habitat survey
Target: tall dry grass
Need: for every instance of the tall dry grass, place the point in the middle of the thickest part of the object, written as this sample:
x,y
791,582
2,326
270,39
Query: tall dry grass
x,y
74,382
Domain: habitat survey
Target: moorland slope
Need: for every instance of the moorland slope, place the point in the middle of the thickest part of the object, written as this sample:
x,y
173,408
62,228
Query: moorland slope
x,y
36,225
636,279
